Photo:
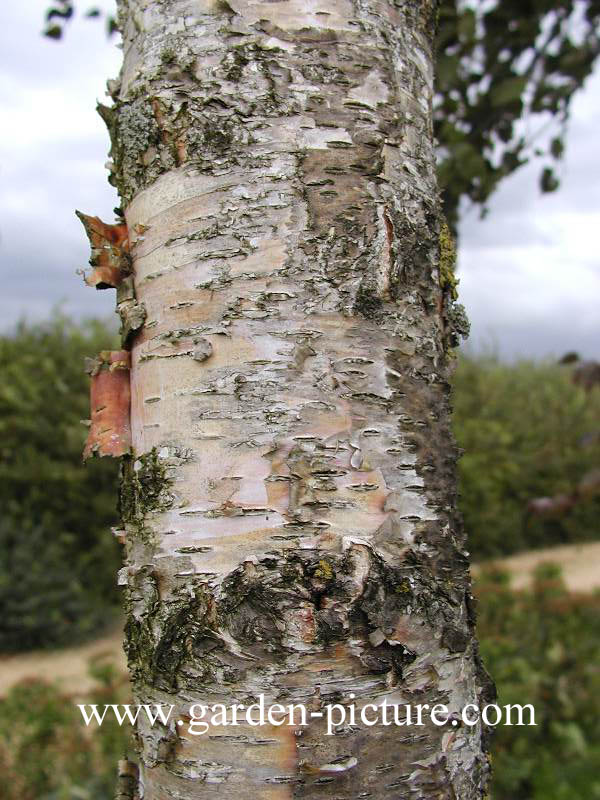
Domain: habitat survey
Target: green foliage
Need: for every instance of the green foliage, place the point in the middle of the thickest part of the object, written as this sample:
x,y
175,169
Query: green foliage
x,y
521,428
543,647
46,751
58,558
61,11
503,69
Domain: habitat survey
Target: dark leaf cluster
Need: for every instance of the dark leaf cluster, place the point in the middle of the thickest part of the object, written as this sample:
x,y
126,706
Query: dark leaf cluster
x,y
542,647
61,11
58,558
507,72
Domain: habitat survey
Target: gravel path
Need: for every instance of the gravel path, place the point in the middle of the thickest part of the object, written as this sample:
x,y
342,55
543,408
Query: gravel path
x,y
580,565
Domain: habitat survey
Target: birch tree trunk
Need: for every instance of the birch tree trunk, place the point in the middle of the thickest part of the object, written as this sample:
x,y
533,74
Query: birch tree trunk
x,y
289,504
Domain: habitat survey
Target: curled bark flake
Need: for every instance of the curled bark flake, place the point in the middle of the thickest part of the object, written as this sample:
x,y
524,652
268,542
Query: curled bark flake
x,y
341,764
110,399
390,235
110,252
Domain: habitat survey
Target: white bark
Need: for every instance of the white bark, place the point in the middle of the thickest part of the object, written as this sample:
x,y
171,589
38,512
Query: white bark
x,y
289,504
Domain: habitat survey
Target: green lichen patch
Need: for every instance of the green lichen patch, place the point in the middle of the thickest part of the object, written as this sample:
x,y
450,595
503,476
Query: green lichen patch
x,y
144,488
133,316
218,139
447,266
458,322
168,55
158,641
324,570
135,135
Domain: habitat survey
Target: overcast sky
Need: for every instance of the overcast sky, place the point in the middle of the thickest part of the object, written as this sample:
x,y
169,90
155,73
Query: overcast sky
x,y
530,272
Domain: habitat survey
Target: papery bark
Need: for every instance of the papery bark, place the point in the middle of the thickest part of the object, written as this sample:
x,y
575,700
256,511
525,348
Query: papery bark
x,y
110,401
110,252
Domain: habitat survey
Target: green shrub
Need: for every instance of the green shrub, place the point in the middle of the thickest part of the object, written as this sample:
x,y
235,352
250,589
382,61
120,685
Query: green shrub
x,y
520,427
57,556
47,752
543,647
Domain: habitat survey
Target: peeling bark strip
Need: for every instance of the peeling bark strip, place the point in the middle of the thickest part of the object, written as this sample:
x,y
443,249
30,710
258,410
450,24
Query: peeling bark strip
x,y
110,401
110,252
289,503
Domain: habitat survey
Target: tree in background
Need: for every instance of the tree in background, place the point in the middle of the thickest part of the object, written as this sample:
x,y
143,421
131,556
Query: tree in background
x,y
506,74
530,442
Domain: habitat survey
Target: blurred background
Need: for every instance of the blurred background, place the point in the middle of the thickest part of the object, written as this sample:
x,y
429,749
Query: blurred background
x,y
517,118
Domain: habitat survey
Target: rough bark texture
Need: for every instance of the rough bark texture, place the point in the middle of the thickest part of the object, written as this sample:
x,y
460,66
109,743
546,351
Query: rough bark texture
x,y
290,498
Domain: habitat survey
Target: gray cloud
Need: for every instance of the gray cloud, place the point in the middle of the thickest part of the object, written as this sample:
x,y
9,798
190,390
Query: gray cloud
x,y
530,272
51,161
